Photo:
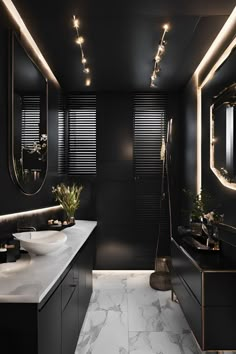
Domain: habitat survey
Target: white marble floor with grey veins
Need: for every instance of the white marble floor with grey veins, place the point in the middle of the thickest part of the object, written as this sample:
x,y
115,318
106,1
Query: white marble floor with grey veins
x,y
126,316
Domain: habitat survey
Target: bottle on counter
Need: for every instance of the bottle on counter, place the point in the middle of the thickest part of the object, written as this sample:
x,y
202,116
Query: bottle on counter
x,y
3,254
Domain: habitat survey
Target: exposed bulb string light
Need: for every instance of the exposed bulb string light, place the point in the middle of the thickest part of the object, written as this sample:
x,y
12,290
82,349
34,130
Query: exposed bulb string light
x,y
80,41
158,56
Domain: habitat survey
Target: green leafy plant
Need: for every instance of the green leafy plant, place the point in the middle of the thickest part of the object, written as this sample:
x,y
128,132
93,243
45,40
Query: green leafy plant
x,y
68,197
200,204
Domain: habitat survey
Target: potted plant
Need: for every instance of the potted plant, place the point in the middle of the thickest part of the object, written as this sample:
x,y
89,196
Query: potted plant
x,y
199,206
69,198
211,221
203,216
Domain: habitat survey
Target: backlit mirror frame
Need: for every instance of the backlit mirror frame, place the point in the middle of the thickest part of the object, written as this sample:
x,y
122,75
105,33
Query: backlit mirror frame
x,y
218,52
227,99
36,183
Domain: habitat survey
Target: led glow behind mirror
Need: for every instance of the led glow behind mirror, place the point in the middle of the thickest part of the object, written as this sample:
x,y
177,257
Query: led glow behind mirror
x,y
223,137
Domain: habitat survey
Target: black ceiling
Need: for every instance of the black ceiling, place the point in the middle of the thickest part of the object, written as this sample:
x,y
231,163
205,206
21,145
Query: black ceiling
x,y
121,38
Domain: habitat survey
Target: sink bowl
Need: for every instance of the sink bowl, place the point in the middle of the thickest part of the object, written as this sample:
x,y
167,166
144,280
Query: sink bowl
x,y
41,242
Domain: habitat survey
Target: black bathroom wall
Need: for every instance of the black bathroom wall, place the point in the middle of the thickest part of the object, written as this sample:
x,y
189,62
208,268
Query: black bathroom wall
x,y
117,242
188,149
225,198
189,137
123,242
12,199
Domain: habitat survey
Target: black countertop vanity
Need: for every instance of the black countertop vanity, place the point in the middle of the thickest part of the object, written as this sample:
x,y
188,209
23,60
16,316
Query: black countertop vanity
x,y
44,299
205,285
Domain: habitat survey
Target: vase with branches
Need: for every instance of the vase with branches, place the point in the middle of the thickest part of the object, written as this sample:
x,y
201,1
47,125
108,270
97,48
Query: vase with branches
x,y
69,198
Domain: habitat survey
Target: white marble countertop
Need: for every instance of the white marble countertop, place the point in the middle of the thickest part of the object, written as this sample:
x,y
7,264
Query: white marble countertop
x,y
31,277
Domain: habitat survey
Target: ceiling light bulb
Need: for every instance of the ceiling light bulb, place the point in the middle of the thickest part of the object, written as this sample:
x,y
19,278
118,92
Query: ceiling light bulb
x,y
161,48
76,22
88,82
84,60
166,27
86,70
153,77
80,40
158,57
152,84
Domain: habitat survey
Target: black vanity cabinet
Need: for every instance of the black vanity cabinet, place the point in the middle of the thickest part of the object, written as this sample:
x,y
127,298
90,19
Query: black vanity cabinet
x,y
52,326
84,265
49,325
205,285
76,293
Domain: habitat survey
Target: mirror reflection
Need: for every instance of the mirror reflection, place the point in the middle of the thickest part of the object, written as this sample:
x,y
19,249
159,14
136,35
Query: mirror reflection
x,y
224,134
29,120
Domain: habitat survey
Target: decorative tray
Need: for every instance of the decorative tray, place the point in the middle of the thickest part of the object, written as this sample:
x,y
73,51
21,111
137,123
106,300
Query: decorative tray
x,y
56,227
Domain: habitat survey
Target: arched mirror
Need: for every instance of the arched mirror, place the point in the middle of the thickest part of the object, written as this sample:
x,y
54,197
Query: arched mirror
x,y
28,111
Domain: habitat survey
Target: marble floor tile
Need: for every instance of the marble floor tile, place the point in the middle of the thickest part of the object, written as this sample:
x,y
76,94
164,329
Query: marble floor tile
x,y
161,343
172,314
109,280
108,299
104,332
126,316
144,311
138,280
151,310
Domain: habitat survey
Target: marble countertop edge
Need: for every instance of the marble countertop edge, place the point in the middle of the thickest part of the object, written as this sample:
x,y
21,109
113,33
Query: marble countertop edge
x,y
33,282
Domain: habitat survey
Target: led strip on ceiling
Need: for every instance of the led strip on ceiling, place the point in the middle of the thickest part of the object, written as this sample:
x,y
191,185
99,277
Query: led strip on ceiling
x,y
29,39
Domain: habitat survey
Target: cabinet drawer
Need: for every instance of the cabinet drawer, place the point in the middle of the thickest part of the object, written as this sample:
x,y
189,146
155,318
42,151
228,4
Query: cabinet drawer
x,y
49,326
220,328
219,288
70,325
190,306
68,287
184,267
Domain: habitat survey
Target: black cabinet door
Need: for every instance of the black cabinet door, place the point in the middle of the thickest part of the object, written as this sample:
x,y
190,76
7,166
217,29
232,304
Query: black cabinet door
x,y
85,267
68,286
18,328
70,324
49,325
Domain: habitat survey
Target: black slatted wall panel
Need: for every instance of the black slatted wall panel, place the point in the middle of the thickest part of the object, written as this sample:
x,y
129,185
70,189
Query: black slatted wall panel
x,y
81,134
150,125
30,118
62,144
77,135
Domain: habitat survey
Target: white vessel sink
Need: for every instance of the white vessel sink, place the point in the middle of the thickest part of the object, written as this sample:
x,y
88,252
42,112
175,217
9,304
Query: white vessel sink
x,y
41,242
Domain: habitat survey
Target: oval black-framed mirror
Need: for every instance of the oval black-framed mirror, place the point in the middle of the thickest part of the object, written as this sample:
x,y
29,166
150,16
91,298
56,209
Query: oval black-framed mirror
x,y
28,96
